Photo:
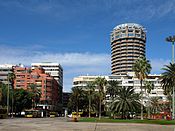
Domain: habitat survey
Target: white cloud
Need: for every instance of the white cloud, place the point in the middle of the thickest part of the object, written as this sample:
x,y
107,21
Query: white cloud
x,y
74,64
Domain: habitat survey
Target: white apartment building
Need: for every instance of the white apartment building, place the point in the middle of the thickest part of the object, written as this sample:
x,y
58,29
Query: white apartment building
x,y
126,80
54,69
5,69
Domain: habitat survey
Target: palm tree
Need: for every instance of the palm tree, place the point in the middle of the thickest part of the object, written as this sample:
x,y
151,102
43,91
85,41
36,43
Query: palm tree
x,y
75,97
90,89
36,94
155,106
100,84
112,88
3,94
148,87
11,78
142,68
168,79
125,101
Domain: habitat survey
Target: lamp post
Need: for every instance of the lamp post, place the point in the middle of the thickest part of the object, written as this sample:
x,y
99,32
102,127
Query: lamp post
x,y
172,40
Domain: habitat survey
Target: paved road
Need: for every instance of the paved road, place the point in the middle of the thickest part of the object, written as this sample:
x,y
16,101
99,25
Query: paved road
x,y
61,124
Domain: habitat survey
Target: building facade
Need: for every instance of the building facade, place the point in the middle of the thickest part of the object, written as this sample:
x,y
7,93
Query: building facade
x,y
4,71
45,83
127,45
54,69
125,81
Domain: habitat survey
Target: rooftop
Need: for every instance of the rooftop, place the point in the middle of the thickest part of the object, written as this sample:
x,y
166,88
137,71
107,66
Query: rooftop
x,y
129,25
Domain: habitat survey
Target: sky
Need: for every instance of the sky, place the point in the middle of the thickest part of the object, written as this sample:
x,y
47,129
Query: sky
x,y
76,33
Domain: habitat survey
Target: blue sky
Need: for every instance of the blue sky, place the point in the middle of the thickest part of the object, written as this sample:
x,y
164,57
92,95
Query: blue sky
x,y
75,33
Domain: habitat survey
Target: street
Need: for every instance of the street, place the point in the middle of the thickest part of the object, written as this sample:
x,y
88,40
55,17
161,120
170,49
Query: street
x,y
62,124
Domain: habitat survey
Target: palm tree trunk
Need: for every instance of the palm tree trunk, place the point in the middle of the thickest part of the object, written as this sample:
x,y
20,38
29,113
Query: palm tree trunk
x,y
89,107
12,101
141,100
77,110
148,107
100,109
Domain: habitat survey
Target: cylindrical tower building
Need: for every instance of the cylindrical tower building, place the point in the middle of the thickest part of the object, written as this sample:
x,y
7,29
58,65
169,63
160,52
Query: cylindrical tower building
x,y
127,45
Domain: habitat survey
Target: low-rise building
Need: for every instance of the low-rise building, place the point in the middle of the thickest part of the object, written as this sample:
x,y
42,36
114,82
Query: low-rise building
x,y
126,80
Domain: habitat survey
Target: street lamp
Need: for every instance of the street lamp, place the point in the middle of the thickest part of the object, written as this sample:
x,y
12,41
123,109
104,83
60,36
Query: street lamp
x,y
172,40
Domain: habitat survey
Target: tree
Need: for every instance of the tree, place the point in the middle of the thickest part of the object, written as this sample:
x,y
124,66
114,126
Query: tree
x,y
125,101
3,94
148,87
112,88
142,68
75,98
11,78
155,106
22,100
100,84
90,89
36,94
168,79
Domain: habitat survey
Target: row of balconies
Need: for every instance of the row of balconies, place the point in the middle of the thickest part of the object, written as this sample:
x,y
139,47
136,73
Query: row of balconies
x,y
127,57
136,46
123,69
127,52
130,56
128,45
122,64
128,39
119,66
122,57
118,51
119,45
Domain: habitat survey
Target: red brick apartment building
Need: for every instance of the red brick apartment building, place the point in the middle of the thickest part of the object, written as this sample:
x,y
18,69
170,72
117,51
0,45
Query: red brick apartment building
x,y
45,83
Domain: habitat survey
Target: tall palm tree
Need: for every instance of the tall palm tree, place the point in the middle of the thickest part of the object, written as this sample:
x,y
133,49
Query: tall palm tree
x,y
11,78
168,79
75,97
125,101
148,87
142,68
100,84
90,89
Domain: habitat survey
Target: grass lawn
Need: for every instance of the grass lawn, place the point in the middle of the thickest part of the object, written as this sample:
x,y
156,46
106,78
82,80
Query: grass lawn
x,y
108,120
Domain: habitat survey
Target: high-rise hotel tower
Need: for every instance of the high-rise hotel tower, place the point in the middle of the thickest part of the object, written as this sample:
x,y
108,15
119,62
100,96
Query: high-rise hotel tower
x,y
127,45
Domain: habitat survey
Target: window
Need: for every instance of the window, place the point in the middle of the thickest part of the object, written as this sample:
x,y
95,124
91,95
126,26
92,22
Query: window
x,y
137,35
130,30
34,76
123,35
117,36
130,34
